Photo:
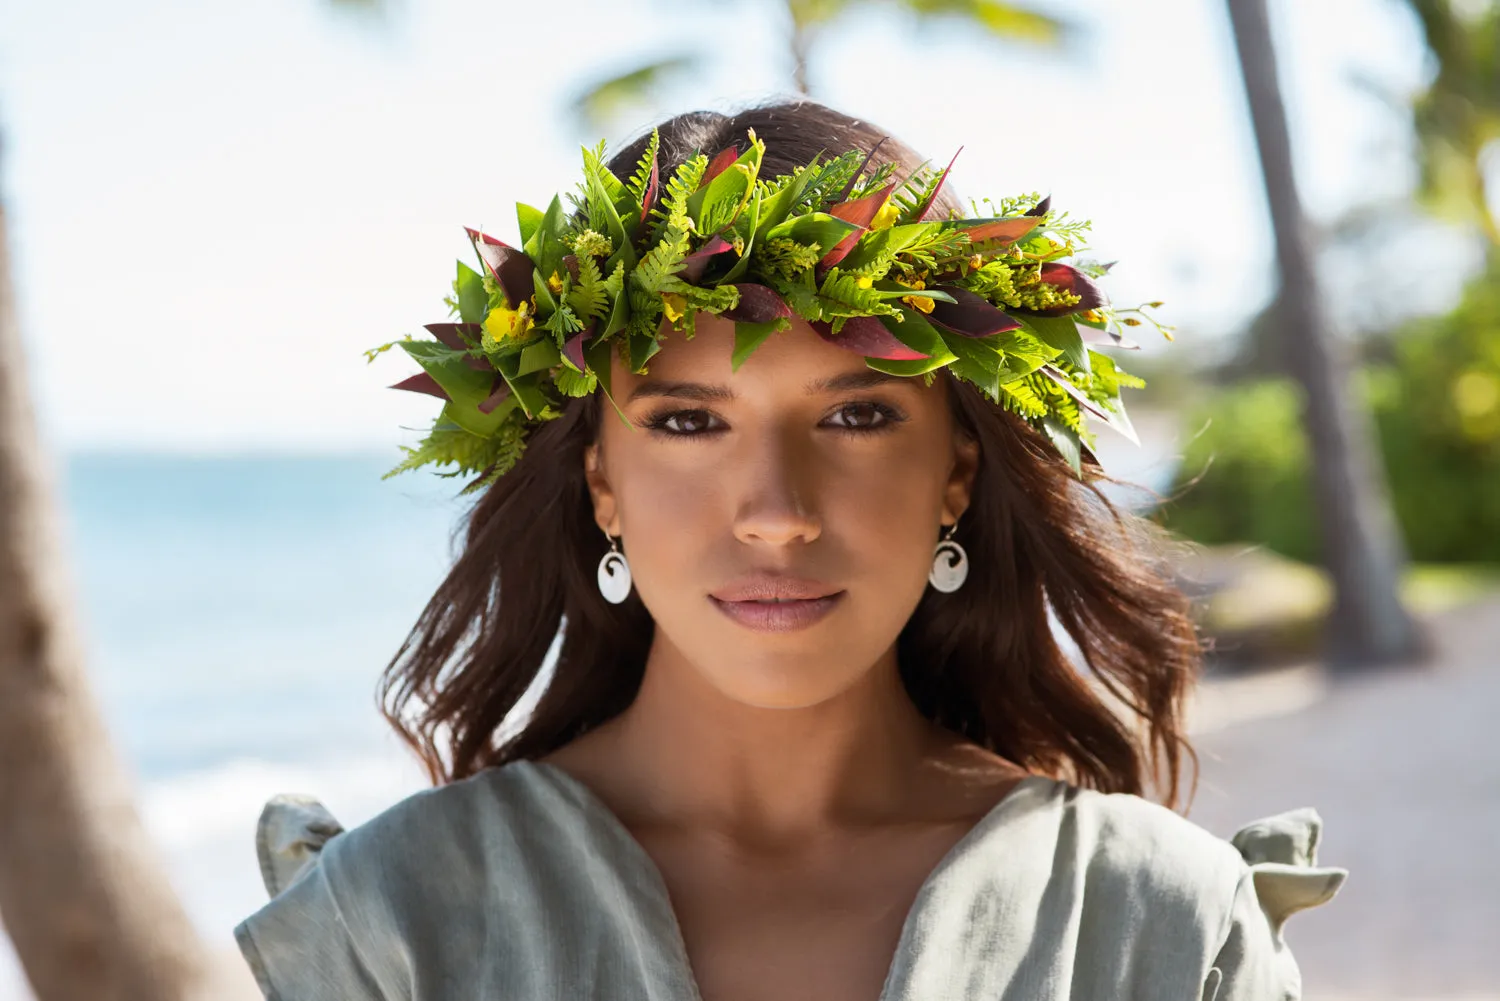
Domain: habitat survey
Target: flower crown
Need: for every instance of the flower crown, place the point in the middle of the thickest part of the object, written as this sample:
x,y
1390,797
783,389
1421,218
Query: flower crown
x,y
852,253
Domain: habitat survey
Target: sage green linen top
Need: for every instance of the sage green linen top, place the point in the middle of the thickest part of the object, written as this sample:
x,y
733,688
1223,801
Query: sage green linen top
x,y
520,885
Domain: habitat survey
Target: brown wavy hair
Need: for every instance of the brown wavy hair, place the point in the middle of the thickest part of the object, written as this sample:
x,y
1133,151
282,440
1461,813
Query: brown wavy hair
x,y
986,661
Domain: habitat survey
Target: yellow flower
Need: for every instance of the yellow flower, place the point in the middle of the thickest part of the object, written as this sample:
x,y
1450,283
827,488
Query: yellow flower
x,y
886,217
674,305
920,304
864,281
976,261
555,282
502,322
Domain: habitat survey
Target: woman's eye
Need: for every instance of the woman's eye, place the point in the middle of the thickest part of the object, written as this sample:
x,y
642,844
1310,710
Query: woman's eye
x,y
862,415
683,422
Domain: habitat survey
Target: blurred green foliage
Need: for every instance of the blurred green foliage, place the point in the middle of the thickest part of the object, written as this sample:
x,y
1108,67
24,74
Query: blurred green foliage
x,y
1435,394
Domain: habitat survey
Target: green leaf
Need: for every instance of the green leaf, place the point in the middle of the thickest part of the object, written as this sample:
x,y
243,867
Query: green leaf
x,y
536,357
528,219
619,315
601,199
546,246
817,228
1062,333
917,366
888,241
720,201
749,336
642,348
749,224
466,387
473,300
1067,442
776,207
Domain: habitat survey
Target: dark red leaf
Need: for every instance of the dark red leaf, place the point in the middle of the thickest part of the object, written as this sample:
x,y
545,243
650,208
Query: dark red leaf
x,y
649,199
1041,207
937,188
449,335
1070,278
1008,230
694,264
511,270
573,346
499,390
971,315
861,212
758,304
720,163
477,237
422,383
854,178
867,336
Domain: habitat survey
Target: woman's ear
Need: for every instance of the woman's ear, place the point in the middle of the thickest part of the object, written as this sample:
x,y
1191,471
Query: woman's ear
x,y
960,486
600,492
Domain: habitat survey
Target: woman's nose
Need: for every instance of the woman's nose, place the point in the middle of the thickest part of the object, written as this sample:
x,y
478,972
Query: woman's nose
x,y
777,498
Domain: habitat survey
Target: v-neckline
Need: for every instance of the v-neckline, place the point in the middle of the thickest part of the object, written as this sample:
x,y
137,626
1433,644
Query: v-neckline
x,y
590,801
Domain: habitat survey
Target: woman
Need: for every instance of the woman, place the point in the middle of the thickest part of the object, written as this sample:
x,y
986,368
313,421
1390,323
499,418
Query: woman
x,y
810,732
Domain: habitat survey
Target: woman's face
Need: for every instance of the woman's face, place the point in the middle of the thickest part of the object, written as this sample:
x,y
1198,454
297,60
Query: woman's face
x,y
805,475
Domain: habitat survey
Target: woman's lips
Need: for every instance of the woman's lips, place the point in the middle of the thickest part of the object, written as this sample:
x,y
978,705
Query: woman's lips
x,y
778,616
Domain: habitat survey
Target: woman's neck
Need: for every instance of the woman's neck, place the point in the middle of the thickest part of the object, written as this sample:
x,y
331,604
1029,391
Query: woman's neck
x,y
685,753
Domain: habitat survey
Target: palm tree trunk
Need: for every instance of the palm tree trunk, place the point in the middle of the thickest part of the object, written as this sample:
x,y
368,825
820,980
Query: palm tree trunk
x,y
1362,546
86,906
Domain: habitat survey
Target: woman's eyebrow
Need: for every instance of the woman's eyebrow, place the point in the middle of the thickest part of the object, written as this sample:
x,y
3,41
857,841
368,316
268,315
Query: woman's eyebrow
x,y
682,390
846,381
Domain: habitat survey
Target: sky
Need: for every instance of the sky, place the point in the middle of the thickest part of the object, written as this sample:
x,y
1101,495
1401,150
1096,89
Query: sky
x,y
216,207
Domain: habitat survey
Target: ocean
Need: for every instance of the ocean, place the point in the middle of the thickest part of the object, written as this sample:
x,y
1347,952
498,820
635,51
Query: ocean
x,y
237,613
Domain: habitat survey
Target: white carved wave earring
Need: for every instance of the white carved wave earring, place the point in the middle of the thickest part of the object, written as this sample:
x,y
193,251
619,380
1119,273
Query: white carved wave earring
x,y
950,564
614,574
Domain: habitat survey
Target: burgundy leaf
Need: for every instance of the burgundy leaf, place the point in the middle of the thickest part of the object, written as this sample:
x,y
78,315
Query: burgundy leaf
x,y
573,346
937,188
1009,230
499,390
971,315
512,272
758,304
570,261
649,198
1071,279
720,163
451,334
854,178
867,336
1041,207
861,212
422,383
694,264
477,237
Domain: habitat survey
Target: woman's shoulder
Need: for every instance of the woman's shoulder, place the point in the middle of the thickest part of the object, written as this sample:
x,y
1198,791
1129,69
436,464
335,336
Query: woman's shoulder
x,y
1137,851
501,814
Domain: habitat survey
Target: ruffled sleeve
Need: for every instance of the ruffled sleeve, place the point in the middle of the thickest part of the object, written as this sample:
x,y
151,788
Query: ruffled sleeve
x,y
1282,877
299,946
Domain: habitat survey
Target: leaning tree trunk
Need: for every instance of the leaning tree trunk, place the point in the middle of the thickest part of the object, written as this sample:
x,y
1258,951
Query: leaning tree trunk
x,y
1361,543
88,909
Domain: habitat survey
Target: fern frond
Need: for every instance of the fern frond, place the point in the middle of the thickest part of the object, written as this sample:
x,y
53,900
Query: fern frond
x,y
450,445
642,176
